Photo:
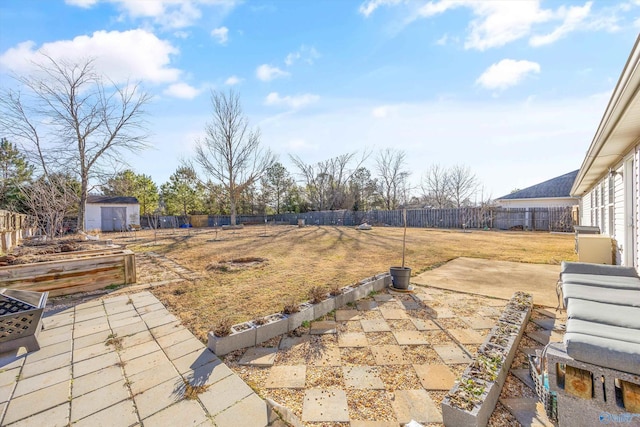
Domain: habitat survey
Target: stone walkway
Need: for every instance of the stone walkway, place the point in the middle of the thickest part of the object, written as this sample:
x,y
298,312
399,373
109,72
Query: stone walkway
x,y
122,361
384,361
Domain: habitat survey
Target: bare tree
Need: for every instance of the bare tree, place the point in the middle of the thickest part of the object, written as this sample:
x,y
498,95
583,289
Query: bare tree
x,y
435,186
72,121
230,152
327,182
462,185
390,165
51,199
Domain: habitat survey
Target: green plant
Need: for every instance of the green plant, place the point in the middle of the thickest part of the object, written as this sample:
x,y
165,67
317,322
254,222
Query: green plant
x,y
316,294
222,328
306,324
114,340
372,293
467,395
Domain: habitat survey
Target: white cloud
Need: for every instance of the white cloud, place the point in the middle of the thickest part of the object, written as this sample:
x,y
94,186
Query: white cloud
x,y
299,144
506,73
305,54
382,112
233,80
573,18
266,72
442,40
181,34
368,7
220,34
146,57
295,102
166,13
182,90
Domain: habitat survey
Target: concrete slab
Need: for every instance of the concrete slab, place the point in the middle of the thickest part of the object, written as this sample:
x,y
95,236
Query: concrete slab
x,y
325,406
383,298
388,355
224,394
183,348
174,338
545,337
435,377
90,351
466,336
410,337
424,325
478,322
46,365
524,376
362,377
415,405
262,357
124,412
159,397
375,325
346,315
189,412
98,400
393,313
54,417
444,312
143,363
49,351
352,339
287,376
97,363
366,305
46,379
498,279
139,350
96,380
37,401
194,360
531,350
208,374
88,340
323,327
328,356
290,342
528,411
145,380
549,323
251,410
451,354
411,305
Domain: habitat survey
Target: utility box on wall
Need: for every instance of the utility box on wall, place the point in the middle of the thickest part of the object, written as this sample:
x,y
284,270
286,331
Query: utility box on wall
x,y
595,248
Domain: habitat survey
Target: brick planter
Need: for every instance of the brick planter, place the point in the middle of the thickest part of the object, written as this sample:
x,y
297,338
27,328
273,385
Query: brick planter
x,y
277,324
509,331
304,315
324,307
381,282
347,296
363,290
242,335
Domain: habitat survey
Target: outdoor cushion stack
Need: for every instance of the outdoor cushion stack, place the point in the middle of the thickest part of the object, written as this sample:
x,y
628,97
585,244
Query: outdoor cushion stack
x,y
603,315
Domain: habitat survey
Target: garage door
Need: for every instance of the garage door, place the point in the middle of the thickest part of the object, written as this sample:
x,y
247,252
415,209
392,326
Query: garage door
x,y
113,219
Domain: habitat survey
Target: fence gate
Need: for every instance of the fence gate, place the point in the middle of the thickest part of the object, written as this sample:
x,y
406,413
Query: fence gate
x,y
113,219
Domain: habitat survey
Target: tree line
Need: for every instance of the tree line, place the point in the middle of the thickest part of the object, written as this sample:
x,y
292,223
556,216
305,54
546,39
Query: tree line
x,y
67,128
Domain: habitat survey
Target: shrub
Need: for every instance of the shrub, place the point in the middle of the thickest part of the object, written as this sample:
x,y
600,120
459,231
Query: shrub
x,y
223,327
290,306
316,294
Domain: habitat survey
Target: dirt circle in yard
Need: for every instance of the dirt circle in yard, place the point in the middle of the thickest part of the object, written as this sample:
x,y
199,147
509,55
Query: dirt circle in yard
x,y
236,264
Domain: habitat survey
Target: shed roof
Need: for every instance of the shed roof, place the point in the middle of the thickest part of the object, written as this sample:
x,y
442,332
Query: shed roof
x,y
111,200
556,187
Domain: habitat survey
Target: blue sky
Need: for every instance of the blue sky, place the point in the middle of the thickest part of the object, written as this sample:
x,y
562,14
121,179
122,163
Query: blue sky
x,y
513,89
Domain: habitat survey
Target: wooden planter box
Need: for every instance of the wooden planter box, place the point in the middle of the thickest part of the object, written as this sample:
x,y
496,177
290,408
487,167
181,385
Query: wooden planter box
x,y
73,272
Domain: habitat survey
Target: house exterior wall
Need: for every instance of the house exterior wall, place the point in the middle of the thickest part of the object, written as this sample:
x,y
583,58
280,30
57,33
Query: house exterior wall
x,y
604,206
93,212
546,202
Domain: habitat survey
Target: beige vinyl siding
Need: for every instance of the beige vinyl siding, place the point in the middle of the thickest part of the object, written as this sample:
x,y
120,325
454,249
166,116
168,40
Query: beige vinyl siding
x,y
618,208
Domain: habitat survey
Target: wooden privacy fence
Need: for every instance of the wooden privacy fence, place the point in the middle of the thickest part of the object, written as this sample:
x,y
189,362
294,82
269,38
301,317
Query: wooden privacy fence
x,y
73,272
13,228
535,219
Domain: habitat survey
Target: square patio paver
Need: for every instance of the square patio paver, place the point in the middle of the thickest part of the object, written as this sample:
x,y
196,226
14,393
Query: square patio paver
x,y
327,356
362,377
189,412
467,336
323,327
451,354
366,305
478,322
415,405
444,313
393,313
346,315
375,325
388,355
287,376
98,400
410,338
325,406
159,397
261,357
424,324
435,377
353,339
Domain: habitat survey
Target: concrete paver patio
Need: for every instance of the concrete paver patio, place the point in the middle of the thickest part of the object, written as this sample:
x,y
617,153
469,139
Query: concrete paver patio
x,y
122,361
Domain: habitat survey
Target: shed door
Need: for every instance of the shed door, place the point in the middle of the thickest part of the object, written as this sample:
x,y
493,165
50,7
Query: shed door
x,y
113,219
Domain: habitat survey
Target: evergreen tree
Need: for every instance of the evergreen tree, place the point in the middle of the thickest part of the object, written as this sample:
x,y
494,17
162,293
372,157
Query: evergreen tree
x,y
15,173
183,193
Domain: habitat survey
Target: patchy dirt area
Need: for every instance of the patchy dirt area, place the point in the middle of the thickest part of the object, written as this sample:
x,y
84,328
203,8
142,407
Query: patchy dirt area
x,y
236,264
38,251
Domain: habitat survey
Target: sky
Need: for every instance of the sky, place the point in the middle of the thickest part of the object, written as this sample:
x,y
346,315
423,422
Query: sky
x,y
513,89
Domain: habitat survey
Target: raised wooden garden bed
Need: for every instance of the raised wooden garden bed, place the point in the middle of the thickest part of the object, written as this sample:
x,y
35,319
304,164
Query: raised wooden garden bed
x,y
73,272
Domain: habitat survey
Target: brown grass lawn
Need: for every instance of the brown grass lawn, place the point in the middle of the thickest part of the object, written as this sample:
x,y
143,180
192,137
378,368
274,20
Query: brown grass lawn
x,y
298,258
